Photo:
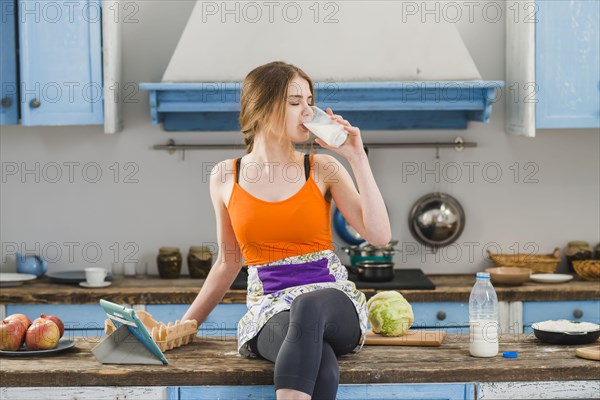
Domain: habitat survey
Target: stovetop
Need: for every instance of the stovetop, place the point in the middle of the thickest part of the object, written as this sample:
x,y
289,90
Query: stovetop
x,y
413,279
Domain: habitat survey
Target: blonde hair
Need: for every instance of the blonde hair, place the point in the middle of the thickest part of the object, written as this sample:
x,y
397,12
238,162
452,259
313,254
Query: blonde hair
x,y
263,99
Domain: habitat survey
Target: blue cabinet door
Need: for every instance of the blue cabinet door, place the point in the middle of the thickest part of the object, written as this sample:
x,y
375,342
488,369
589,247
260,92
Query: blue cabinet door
x,y
9,89
60,62
567,63
582,311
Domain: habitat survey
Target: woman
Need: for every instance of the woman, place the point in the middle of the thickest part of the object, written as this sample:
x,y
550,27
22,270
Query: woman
x,y
273,207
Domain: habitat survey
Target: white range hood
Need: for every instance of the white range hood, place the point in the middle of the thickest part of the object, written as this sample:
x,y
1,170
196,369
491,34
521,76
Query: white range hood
x,y
376,61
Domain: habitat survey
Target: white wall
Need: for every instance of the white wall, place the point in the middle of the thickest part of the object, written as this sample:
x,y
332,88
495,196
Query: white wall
x,y
169,204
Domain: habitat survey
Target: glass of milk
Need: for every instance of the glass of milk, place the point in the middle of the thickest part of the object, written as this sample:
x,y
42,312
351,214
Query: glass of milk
x,y
326,129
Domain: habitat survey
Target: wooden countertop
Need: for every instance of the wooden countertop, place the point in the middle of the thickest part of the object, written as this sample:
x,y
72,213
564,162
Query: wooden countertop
x,y
216,362
152,290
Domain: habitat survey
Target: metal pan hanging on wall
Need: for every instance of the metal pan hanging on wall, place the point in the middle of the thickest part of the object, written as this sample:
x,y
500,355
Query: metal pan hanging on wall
x,y
436,220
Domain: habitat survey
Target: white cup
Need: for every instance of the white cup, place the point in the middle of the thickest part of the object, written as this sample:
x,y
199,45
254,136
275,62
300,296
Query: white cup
x,y
325,128
95,276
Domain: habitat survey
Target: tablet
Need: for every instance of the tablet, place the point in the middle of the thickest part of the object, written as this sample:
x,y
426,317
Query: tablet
x,y
126,316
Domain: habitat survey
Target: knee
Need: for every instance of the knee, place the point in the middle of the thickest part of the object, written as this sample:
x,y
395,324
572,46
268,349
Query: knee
x,y
306,304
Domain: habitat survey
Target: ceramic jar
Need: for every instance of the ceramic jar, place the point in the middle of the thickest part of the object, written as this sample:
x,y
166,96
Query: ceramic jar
x,y
577,250
199,261
169,262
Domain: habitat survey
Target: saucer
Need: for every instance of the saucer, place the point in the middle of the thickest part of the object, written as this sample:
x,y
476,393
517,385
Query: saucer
x,y
87,285
551,278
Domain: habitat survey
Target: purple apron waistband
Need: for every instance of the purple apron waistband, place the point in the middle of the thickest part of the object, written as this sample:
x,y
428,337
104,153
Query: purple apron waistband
x,y
279,277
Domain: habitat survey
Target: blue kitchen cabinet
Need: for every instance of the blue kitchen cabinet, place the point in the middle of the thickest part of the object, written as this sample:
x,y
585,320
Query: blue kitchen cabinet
x,y
59,47
447,315
552,65
9,100
85,320
582,311
567,64
449,391
222,321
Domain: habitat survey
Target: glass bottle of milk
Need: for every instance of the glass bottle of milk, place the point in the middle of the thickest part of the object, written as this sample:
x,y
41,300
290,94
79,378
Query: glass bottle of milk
x,y
483,318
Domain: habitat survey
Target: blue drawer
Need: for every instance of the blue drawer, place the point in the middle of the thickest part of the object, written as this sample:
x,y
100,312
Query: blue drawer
x,y
222,321
535,311
440,315
73,316
454,391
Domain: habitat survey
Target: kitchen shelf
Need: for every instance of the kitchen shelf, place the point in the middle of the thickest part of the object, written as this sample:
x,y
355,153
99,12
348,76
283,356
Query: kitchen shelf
x,y
215,106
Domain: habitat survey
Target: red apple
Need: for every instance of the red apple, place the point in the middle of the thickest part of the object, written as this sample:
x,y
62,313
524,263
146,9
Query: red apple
x,y
43,334
20,317
54,319
12,334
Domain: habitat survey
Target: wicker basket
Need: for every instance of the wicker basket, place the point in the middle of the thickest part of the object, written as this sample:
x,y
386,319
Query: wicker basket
x,y
544,263
588,269
168,336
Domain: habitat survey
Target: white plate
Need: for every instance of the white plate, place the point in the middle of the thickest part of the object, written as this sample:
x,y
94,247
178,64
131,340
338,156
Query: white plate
x,y
550,278
8,279
86,285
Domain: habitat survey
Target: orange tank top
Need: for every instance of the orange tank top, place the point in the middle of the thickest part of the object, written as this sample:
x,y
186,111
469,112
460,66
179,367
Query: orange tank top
x,y
268,231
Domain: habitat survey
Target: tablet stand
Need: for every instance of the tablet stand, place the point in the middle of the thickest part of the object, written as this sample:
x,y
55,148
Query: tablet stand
x,y
122,347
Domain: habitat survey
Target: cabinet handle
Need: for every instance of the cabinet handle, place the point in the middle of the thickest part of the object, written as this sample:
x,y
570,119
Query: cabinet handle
x,y
578,313
441,316
35,103
6,102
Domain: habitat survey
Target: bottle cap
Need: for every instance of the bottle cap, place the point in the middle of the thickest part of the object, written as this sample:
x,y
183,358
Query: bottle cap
x,y
510,354
485,275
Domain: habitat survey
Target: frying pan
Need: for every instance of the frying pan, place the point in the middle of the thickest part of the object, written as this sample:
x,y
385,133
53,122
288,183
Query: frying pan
x,y
565,337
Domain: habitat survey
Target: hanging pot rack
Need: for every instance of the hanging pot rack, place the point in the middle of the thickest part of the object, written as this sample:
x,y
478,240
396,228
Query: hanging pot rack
x,y
458,144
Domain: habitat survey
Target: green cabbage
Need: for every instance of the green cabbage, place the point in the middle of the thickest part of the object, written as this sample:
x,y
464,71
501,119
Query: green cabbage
x,y
389,313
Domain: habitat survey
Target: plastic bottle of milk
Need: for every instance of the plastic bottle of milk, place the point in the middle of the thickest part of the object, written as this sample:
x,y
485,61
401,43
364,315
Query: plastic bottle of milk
x,y
483,318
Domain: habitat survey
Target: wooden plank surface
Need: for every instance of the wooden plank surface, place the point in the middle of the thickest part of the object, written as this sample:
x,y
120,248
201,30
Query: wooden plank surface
x,y
216,362
152,290
412,337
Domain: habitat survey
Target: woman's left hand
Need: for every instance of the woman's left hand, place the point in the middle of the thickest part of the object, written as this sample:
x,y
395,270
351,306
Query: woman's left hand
x,y
353,147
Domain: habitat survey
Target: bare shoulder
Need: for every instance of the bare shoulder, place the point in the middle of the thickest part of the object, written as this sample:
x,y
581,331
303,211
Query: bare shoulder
x,y
221,179
326,162
327,170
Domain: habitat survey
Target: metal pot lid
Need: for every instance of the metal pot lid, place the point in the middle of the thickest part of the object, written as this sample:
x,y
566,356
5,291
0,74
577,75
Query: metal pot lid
x,y
436,220
367,249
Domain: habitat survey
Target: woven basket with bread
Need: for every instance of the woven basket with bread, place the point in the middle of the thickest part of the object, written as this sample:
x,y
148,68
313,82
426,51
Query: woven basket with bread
x,y
588,269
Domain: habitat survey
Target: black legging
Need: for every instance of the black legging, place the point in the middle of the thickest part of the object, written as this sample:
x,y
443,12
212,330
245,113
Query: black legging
x,y
304,342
